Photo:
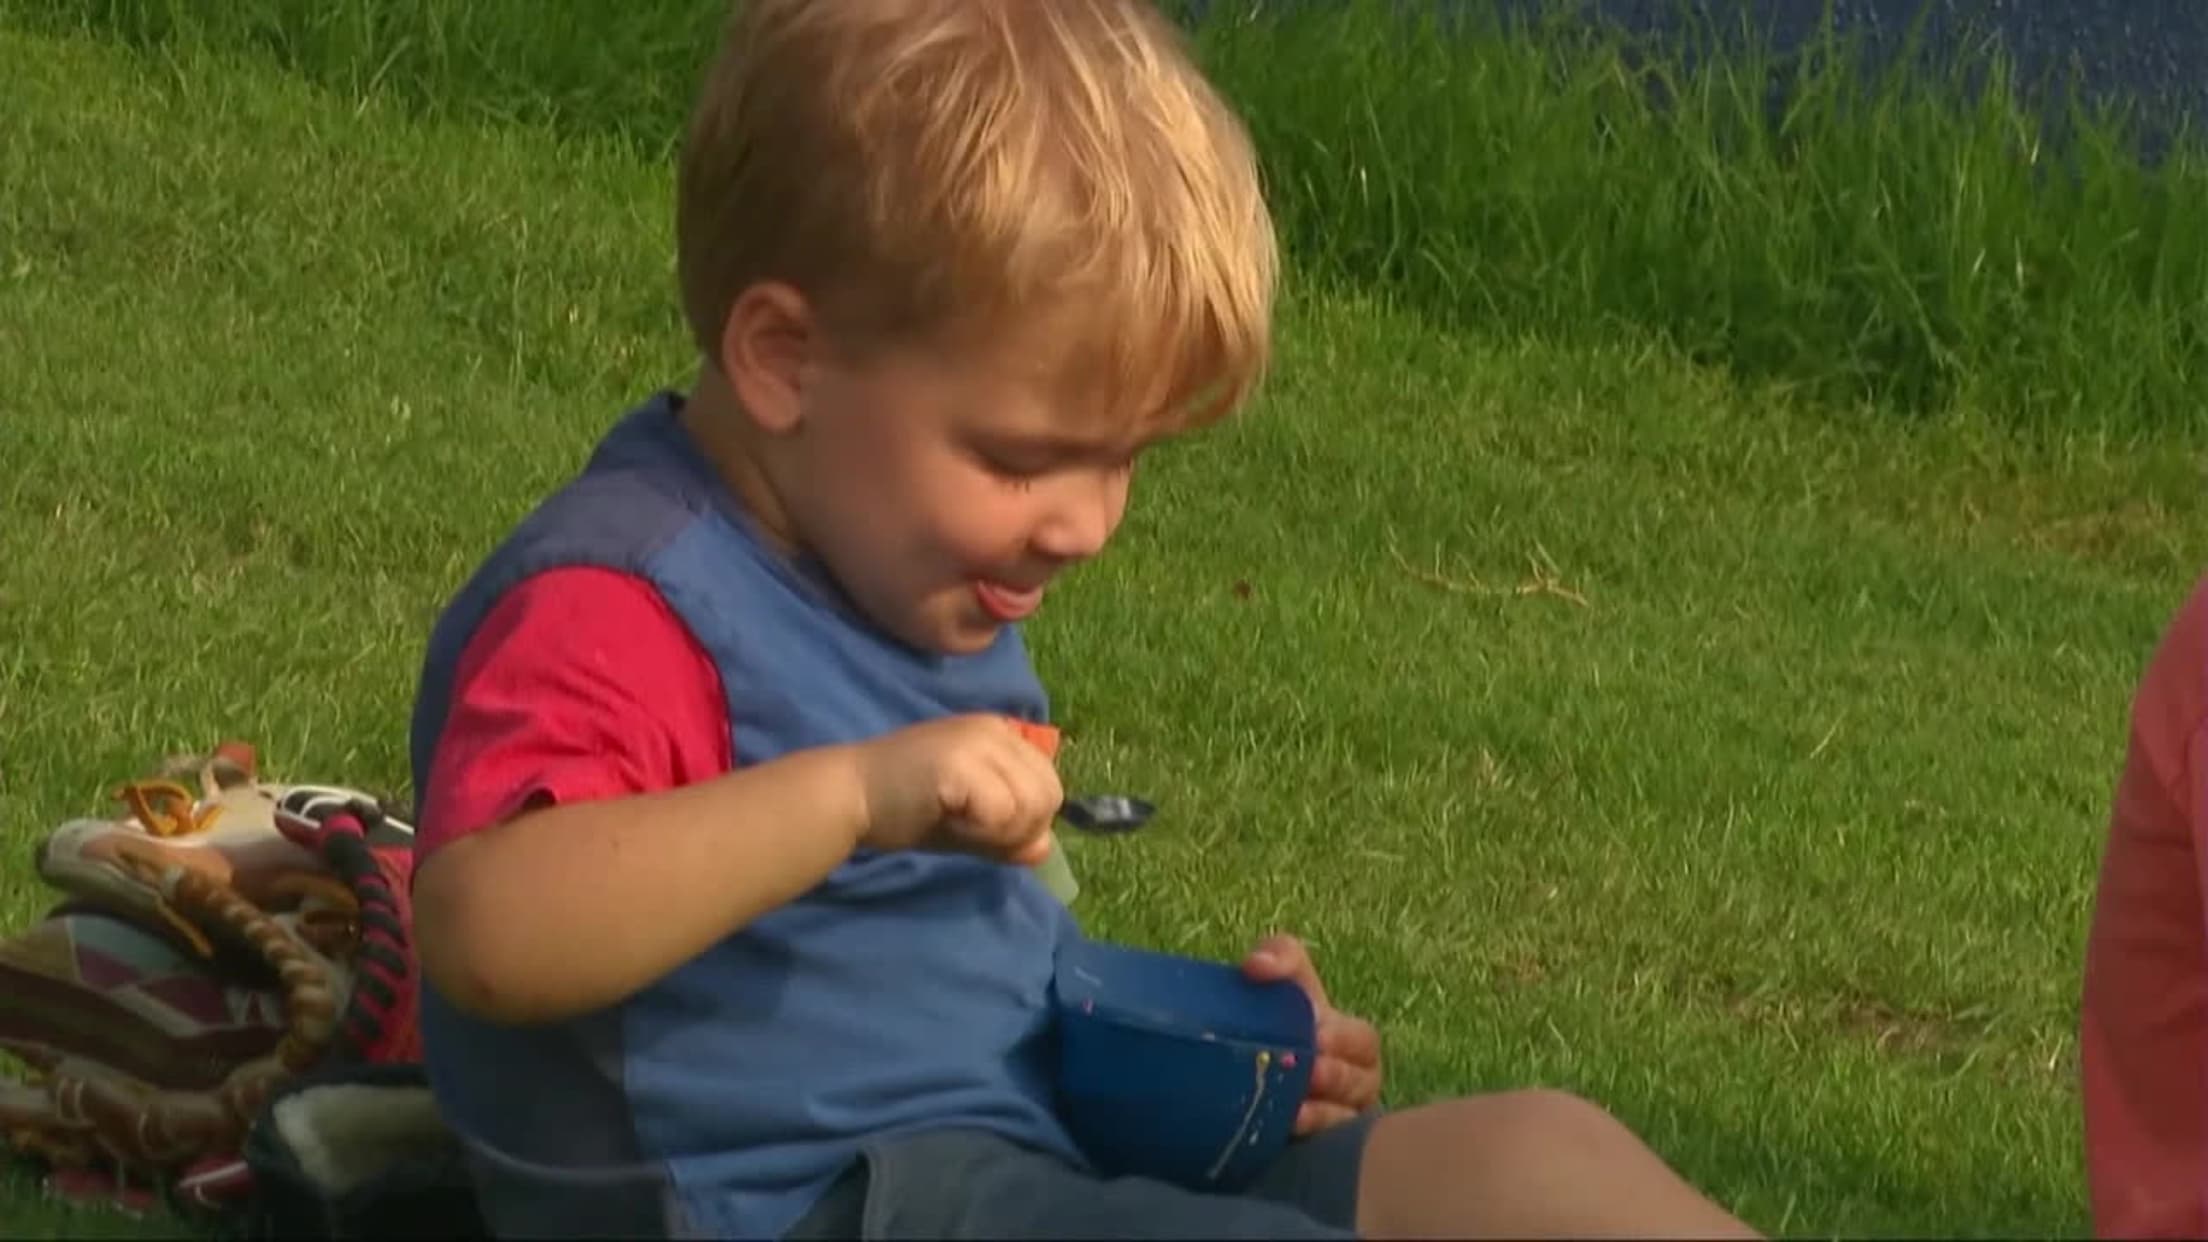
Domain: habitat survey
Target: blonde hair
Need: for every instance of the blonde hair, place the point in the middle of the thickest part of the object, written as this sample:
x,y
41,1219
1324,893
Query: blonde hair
x,y
937,170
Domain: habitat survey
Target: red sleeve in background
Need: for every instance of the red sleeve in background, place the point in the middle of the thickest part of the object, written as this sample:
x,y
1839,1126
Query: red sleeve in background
x,y
2144,1026
580,684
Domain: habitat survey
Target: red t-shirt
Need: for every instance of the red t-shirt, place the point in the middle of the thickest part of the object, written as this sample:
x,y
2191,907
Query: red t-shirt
x,y
2144,1034
580,684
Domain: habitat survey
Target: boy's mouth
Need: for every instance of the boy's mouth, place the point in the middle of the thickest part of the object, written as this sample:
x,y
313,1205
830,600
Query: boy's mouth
x,y
1007,603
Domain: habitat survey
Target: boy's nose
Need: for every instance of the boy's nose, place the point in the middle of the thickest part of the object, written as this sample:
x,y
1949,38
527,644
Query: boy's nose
x,y
1083,519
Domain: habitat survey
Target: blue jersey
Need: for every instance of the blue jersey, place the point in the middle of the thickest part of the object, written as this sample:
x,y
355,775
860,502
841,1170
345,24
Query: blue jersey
x,y
906,992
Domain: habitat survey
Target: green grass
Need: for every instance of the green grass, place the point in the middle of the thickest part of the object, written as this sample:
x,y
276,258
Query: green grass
x,y
283,363
1915,239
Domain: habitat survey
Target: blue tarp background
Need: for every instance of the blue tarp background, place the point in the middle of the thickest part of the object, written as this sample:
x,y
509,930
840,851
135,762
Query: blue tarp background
x,y
2149,55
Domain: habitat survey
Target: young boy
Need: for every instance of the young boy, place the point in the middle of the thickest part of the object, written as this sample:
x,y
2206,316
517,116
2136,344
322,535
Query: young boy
x,y
726,901
2143,1037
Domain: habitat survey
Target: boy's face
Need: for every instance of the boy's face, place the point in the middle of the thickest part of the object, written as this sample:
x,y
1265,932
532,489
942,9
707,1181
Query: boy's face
x,y
943,492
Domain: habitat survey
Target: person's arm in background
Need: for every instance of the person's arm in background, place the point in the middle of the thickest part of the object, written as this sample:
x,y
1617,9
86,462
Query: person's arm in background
x,y
2143,1032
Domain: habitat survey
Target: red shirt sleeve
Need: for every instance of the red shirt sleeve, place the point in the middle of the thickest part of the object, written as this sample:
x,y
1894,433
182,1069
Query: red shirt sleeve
x,y
580,684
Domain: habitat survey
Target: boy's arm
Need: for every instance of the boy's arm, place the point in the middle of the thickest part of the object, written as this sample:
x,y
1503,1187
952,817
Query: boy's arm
x,y
582,834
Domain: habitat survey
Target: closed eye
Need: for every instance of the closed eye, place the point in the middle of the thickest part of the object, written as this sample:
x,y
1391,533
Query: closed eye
x,y
1013,470
1024,463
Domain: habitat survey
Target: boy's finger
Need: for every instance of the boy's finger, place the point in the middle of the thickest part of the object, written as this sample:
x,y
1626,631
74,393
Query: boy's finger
x,y
984,805
1328,1078
1359,1088
1039,781
998,836
1027,785
1036,849
1037,794
1316,1115
1336,1081
1349,1037
1284,957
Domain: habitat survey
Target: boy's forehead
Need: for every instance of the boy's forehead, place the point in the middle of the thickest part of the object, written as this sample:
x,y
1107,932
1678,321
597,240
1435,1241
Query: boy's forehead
x,y
1055,377
1045,420
1049,419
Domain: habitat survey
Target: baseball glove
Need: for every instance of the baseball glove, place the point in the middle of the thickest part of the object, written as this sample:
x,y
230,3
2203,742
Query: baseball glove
x,y
222,938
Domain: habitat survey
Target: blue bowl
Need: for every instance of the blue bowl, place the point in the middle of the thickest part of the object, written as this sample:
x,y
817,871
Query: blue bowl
x,y
1176,1068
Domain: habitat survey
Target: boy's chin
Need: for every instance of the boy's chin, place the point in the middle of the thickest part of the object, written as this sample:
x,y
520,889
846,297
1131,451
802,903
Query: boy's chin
x,y
969,634
947,625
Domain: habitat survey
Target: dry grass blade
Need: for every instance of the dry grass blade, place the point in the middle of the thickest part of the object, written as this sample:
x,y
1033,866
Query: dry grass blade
x,y
1546,579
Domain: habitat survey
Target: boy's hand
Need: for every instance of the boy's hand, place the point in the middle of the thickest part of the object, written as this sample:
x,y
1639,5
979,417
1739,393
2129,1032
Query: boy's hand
x,y
972,784
1345,1080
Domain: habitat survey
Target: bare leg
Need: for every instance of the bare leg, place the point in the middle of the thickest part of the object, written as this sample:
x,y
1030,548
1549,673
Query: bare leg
x,y
1524,1164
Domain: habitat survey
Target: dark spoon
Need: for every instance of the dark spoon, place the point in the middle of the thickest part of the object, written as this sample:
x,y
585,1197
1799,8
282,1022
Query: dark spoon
x,y
1106,814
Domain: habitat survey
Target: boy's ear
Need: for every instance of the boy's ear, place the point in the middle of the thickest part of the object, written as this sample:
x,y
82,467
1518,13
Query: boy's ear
x,y
767,342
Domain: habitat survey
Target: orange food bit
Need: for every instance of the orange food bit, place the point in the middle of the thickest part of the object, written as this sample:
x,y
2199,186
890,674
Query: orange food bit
x,y
1041,736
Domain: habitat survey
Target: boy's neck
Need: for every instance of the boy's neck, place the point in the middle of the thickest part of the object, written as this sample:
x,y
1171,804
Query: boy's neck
x,y
717,424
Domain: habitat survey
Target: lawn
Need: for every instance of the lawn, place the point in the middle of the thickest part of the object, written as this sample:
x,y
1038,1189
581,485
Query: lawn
x,y
1767,815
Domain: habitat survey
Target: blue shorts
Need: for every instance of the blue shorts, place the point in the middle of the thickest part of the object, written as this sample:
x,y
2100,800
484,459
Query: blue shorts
x,y
972,1184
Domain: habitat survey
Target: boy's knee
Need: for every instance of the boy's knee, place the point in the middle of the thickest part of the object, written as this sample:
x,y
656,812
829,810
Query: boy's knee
x,y
1535,1124
1539,1116
1532,1162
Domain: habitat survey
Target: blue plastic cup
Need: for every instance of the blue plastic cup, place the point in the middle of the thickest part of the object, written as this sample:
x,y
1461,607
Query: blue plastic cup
x,y
1177,1068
